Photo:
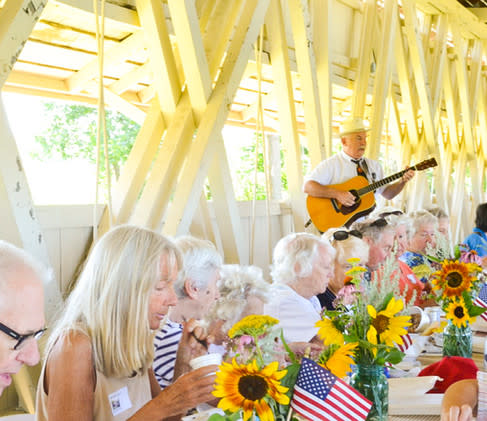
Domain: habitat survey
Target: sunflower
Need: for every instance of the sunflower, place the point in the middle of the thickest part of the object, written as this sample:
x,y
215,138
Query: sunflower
x,y
454,278
457,312
339,359
386,326
246,387
329,333
252,325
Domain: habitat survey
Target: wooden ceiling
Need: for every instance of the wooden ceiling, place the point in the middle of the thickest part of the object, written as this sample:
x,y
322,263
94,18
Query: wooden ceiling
x,y
183,68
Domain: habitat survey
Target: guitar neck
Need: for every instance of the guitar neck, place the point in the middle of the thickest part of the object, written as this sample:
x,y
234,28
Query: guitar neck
x,y
383,182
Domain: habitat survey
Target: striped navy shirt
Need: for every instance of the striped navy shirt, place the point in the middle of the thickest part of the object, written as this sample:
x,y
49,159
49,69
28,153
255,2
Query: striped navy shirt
x,y
166,344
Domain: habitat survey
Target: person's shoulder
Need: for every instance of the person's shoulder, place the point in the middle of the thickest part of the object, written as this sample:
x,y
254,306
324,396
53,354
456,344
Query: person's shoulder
x,y
72,345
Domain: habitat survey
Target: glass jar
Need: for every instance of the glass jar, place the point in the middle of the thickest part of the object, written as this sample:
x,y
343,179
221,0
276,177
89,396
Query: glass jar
x,y
457,341
371,382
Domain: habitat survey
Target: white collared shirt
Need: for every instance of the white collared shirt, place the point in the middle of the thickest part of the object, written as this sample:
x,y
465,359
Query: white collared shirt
x,y
297,315
340,168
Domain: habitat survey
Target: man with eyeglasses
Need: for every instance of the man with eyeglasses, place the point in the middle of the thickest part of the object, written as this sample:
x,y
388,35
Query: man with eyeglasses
x,y
21,311
348,164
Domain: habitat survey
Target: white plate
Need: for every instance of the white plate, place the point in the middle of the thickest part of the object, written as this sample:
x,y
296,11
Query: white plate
x,y
420,405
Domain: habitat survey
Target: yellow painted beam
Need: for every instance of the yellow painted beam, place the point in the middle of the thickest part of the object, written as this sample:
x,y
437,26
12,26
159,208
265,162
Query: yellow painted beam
x,y
320,12
17,19
363,71
166,79
287,113
305,57
117,54
134,172
382,78
202,149
190,44
130,79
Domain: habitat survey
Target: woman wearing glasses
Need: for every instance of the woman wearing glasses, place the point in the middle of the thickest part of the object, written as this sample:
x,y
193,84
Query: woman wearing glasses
x,y
346,244
100,353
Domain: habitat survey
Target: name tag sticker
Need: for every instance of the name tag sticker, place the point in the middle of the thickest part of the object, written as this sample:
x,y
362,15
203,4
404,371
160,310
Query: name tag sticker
x,y
120,401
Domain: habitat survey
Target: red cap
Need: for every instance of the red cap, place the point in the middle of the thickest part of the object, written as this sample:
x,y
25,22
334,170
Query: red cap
x,y
451,370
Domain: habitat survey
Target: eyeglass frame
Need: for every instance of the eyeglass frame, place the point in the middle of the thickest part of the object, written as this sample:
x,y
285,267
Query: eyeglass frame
x,y
21,338
355,233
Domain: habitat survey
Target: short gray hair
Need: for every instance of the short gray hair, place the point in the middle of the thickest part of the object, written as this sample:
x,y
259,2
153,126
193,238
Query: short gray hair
x,y
200,260
422,217
297,251
238,284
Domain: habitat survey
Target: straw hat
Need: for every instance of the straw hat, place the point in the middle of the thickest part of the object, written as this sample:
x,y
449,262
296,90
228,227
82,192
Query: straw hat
x,y
354,125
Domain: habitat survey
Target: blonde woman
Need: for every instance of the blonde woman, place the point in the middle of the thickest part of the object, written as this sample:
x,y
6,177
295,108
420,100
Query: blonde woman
x,y
99,356
347,244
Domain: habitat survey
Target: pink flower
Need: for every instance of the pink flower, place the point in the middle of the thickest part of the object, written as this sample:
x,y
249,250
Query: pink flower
x,y
470,256
346,295
242,341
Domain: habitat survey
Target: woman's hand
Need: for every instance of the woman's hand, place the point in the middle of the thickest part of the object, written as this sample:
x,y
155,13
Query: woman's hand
x,y
188,391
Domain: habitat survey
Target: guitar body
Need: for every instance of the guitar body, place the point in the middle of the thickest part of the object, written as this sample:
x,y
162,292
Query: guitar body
x,y
329,213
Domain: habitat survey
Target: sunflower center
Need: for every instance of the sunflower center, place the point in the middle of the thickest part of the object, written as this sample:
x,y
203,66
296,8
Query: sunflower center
x,y
458,312
381,323
454,279
252,387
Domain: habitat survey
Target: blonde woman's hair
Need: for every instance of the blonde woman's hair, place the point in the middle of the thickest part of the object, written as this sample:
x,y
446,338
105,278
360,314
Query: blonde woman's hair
x,y
110,301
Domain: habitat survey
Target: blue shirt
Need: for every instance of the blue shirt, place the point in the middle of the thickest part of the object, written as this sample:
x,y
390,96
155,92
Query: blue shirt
x,y
418,264
477,241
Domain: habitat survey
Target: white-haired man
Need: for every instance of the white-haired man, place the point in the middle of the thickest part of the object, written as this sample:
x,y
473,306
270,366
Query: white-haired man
x,y
302,268
21,311
347,164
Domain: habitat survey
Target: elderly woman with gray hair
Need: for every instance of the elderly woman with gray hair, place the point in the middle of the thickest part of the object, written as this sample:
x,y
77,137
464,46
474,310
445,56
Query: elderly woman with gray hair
x,y
301,269
243,291
197,292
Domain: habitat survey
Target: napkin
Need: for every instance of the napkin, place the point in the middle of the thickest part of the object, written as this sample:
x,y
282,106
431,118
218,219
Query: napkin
x,y
451,370
407,396
409,387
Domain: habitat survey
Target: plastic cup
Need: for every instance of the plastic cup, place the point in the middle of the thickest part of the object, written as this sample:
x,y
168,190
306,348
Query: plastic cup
x,y
204,360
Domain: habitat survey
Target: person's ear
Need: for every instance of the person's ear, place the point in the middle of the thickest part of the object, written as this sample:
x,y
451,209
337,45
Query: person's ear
x,y
190,288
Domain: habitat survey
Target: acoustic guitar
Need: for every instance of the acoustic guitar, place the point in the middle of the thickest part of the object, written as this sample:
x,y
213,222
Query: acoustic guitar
x,y
329,213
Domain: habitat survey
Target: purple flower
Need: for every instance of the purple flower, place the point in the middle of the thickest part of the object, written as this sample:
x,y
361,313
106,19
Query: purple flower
x,y
470,256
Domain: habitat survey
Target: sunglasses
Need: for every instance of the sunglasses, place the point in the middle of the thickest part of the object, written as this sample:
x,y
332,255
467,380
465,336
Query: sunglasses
x,y
21,338
397,213
343,235
379,223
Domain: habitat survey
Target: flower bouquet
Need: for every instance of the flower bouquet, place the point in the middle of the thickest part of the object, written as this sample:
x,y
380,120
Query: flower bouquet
x,y
455,288
252,384
364,330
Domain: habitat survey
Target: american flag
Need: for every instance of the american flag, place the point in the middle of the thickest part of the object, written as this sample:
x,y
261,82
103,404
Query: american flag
x,y
406,343
481,301
319,395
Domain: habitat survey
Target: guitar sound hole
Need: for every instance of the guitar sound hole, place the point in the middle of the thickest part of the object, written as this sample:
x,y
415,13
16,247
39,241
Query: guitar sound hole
x,y
345,210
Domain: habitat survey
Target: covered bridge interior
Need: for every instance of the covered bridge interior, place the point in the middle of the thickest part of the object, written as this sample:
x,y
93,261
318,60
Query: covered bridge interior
x,y
289,70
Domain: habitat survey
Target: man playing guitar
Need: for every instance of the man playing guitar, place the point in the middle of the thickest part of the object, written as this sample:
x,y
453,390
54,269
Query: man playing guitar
x,y
348,164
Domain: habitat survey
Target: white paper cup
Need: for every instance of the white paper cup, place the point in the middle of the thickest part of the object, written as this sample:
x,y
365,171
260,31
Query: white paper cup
x,y
204,360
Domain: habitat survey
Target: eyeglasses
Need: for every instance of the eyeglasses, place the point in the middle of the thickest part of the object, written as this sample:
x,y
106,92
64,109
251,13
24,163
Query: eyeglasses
x,y
343,235
379,223
21,338
397,213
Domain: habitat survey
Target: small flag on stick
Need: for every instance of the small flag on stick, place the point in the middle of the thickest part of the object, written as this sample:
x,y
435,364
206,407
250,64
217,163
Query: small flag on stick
x,y
319,395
